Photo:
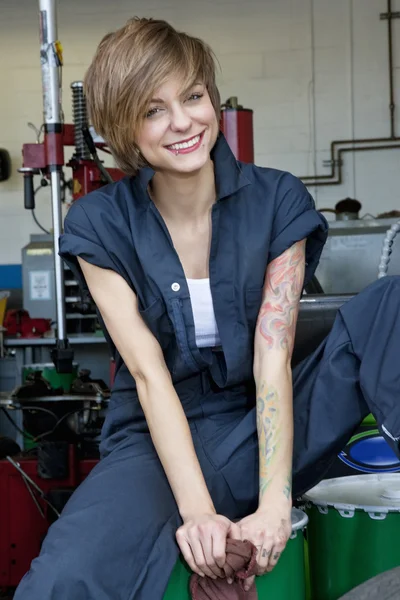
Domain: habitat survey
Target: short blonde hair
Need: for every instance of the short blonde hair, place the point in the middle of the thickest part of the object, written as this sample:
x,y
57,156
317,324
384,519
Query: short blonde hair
x,y
129,65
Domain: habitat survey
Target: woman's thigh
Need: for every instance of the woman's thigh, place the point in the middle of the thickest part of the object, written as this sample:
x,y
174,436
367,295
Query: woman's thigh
x,y
115,538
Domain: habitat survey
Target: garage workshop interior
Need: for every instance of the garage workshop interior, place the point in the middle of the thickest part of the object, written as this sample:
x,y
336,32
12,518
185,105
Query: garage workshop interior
x,y
309,87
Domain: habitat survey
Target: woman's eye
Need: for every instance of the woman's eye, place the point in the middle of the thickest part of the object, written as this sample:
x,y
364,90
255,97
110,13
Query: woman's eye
x,y
152,112
196,96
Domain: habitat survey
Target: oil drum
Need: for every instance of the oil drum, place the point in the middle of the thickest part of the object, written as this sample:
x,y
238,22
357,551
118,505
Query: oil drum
x,y
353,531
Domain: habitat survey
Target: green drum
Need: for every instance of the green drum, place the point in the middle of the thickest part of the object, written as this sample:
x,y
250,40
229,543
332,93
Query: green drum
x,y
50,374
287,580
353,531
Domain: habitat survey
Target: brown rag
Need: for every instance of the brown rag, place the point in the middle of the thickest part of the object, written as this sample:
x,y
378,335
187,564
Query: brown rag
x,y
240,563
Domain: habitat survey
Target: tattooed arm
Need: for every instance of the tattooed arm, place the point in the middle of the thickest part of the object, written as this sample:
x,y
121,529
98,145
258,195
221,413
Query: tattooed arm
x,y
270,527
273,349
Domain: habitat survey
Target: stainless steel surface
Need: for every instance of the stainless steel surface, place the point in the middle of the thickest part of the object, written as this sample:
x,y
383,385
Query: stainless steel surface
x,y
351,256
50,68
52,113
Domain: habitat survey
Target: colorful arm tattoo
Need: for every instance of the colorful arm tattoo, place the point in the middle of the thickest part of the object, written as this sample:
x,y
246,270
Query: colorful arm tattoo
x,y
276,326
269,431
282,291
287,490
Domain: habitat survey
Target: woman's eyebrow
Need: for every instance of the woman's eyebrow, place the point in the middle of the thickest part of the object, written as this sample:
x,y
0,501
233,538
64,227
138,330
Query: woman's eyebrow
x,y
185,91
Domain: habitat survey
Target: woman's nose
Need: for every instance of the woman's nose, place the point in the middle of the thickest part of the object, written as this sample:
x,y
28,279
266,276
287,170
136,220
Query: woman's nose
x,y
179,119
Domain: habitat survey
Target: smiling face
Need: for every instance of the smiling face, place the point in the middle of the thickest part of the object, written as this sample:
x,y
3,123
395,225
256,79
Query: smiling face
x,y
179,129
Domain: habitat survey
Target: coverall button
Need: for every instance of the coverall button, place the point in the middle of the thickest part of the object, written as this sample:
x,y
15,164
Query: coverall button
x,y
175,287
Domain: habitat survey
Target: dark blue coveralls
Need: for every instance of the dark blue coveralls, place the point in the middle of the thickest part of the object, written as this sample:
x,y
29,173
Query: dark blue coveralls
x,y
116,536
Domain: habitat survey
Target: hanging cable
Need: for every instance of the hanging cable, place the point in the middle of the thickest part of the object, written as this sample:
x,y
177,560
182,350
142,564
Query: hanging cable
x,y
42,185
25,434
39,409
69,414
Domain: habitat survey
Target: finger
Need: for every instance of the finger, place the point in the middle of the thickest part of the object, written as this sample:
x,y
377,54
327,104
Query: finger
x,y
189,558
207,544
219,548
200,559
275,556
248,583
234,532
263,558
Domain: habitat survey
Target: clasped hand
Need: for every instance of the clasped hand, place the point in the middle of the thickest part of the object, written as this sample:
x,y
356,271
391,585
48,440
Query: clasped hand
x,y
202,539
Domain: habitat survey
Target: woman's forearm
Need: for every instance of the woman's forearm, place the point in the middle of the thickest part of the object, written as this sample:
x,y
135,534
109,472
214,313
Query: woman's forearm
x,y
173,442
274,340
275,433
162,408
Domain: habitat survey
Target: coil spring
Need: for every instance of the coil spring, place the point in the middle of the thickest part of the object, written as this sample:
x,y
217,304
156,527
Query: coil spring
x,y
387,249
80,119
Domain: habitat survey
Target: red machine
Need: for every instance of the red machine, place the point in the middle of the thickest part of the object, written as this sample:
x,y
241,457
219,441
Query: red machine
x,y
87,171
22,525
18,323
237,127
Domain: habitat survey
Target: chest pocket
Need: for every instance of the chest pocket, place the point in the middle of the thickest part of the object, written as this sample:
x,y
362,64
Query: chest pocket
x,y
253,297
156,318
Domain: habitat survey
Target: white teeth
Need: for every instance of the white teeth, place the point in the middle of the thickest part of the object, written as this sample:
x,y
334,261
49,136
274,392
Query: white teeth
x,y
183,145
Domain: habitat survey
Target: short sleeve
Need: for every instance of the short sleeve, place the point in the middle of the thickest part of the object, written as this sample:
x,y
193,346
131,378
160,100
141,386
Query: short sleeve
x,y
80,239
295,219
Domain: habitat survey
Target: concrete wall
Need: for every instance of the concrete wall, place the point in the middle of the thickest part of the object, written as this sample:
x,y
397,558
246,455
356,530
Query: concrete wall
x,y
312,70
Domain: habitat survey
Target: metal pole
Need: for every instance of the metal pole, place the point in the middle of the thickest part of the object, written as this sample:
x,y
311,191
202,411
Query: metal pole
x,y
51,63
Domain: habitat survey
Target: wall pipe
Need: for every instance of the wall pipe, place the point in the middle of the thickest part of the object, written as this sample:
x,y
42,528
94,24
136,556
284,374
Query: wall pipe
x,y
339,179
392,105
335,176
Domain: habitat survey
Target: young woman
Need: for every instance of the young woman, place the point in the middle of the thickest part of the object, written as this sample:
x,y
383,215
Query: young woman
x,y
197,263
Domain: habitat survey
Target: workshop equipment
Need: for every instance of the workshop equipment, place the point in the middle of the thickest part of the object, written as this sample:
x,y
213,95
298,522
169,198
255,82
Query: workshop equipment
x,y
38,284
352,254
353,532
19,323
48,405
366,452
49,373
38,277
345,210
287,580
237,126
24,518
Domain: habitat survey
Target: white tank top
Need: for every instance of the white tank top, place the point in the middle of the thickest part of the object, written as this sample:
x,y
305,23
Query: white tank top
x,y
203,313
